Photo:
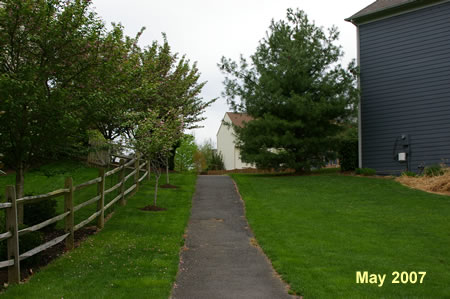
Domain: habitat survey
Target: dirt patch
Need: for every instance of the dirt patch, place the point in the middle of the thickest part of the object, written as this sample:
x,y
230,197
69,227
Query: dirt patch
x,y
168,186
153,208
437,184
254,243
50,254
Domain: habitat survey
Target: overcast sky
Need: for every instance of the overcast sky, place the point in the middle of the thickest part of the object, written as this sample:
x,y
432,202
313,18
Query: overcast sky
x,y
206,30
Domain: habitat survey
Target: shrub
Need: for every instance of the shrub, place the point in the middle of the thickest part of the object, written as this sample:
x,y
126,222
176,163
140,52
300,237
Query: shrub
x,y
26,242
348,150
434,170
40,211
58,168
199,162
365,171
409,173
213,159
216,161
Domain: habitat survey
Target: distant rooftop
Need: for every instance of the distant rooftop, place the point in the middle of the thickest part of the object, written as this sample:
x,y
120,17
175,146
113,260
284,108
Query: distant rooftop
x,y
238,119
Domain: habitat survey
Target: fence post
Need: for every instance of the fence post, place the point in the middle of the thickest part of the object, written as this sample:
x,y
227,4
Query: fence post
x,y
122,201
101,201
68,207
13,241
148,169
136,175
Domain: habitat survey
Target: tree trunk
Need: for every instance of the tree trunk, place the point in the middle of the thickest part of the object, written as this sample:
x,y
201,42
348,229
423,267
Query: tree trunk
x,y
172,156
156,189
302,171
20,180
167,171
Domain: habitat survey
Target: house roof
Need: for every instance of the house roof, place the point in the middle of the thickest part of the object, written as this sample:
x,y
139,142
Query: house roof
x,y
377,6
238,119
387,7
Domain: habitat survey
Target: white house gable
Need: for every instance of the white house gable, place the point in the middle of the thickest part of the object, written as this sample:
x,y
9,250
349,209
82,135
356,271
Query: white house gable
x,y
226,142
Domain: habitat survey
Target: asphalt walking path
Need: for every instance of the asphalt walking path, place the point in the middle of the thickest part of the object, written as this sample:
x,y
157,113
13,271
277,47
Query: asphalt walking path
x,y
219,260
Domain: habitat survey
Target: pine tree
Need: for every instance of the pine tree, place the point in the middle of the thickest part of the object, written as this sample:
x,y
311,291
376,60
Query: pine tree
x,y
296,91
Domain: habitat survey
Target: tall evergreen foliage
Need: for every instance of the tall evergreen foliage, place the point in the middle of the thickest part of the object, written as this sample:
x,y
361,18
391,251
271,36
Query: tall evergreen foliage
x,y
296,91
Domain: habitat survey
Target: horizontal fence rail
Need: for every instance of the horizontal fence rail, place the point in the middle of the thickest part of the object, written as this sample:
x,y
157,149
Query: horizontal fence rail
x,y
143,177
5,205
5,236
115,187
115,170
35,198
130,174
130,189
68,192
44,246
88,183
113,201
86,203
43,224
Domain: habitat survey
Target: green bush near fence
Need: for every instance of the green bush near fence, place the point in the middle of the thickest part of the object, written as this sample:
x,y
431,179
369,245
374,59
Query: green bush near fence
x,y
27,242
37,212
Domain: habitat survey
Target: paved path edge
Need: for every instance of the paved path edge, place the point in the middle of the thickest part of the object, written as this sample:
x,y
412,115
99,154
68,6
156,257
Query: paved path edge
x,y
255,243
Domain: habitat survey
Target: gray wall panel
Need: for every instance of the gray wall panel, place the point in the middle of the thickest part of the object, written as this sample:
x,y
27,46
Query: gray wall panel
x,y
405,84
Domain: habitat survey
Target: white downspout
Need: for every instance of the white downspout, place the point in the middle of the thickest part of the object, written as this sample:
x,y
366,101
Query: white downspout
x,y
358,55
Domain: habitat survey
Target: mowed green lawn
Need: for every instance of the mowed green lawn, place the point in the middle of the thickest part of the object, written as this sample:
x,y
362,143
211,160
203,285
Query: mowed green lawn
x,y
320,230
136,255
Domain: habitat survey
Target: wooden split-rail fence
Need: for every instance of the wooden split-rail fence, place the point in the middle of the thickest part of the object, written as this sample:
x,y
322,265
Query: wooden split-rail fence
x,y
68,192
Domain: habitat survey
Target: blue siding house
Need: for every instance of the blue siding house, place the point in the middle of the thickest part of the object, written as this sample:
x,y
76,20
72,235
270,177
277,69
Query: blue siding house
x,y
404,59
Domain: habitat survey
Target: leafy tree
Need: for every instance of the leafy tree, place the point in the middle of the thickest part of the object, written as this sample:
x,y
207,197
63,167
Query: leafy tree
x,y
170,83
296,91
45,46
107,91
62,74
184,157
170,86
154,138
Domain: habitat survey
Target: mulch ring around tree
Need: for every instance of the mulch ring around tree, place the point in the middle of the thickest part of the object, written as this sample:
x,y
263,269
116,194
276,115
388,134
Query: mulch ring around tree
x,y
168,186
153,208
46,256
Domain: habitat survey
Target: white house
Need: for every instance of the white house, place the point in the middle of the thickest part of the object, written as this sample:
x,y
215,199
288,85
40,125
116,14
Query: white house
x,y
226,140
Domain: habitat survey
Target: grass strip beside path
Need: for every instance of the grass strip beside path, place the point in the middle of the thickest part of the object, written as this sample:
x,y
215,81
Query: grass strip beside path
x,y
136,255
319,230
